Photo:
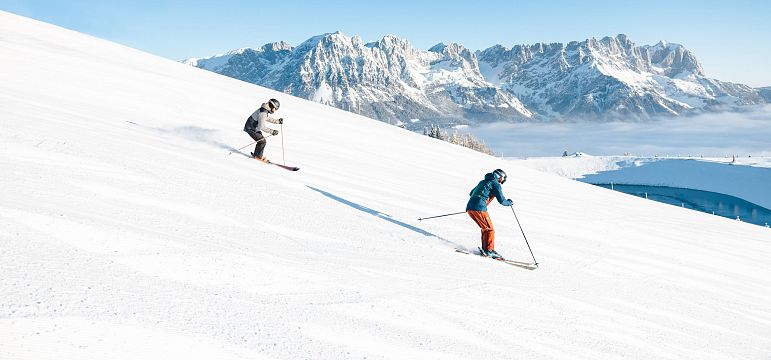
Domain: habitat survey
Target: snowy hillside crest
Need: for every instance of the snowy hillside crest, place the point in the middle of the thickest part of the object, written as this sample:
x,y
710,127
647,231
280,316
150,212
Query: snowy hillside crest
x,y
391,80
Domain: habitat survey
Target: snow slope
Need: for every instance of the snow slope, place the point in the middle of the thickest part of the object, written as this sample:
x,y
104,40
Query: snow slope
x,y
127,231
745,178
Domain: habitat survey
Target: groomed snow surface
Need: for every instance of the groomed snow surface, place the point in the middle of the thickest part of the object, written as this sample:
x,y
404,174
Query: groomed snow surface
x,y
128,232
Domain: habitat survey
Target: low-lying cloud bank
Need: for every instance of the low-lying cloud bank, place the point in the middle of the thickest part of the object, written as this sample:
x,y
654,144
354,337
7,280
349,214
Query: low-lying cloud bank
x,y
716,134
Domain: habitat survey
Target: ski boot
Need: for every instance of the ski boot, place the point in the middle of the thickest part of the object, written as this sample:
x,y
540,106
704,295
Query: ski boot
x,y
493,254
263,159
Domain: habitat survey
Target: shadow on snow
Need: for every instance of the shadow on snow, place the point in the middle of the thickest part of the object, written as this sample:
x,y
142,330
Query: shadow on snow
x,y
376,213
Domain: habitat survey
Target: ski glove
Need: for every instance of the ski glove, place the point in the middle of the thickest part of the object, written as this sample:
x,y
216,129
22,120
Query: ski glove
x,y
281,120
508,202
275,132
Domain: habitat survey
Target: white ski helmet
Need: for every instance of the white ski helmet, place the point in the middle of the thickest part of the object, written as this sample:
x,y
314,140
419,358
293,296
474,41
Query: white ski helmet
x,y
500,174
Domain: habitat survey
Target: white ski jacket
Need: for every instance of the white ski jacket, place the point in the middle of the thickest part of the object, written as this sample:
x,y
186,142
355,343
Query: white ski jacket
x,y
256,122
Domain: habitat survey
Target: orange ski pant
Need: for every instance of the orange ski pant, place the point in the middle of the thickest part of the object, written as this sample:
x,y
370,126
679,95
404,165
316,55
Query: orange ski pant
x,y
486,224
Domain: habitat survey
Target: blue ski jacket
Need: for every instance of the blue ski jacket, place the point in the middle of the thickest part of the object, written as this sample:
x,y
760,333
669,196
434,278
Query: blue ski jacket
x,y
483,193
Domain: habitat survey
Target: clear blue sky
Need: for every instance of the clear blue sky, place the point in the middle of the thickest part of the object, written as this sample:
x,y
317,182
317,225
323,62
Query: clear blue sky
x,y
732,38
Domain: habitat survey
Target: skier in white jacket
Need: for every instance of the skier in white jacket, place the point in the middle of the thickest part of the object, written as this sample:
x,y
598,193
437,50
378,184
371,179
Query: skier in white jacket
x,y
255,125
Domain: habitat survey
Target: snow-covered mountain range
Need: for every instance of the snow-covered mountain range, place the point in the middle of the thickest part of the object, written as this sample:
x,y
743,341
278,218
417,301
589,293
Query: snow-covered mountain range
x,y
765,92
391,80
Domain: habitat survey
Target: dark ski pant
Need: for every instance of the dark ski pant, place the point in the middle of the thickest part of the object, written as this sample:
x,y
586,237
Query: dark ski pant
x,y
260,147
486,224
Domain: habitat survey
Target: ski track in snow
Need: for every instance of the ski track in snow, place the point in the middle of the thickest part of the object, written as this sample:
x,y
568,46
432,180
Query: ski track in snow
x,y
127,231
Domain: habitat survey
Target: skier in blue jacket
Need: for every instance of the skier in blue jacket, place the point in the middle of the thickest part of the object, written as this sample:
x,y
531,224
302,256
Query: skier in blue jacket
x,y
476,208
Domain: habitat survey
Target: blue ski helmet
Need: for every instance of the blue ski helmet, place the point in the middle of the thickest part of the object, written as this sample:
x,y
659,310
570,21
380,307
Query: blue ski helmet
x,y
500,174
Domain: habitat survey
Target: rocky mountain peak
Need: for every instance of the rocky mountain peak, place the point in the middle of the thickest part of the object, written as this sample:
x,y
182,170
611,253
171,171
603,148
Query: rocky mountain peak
x,y
277,46
674,59
391,44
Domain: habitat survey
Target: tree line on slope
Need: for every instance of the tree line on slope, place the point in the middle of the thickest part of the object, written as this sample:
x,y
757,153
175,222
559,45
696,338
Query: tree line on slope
x,y
465,140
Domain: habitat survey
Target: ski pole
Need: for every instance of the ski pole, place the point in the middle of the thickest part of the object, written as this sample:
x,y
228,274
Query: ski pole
x,y
523,235
251,143
283,154
432,217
